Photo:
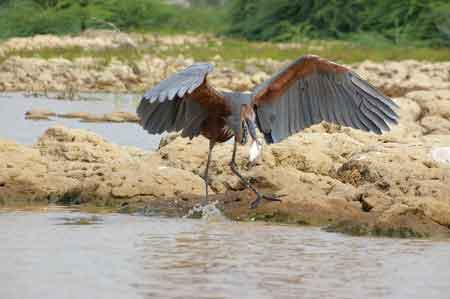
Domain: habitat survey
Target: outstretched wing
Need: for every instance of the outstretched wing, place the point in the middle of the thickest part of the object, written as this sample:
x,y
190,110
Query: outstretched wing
x,y
180,103
312,90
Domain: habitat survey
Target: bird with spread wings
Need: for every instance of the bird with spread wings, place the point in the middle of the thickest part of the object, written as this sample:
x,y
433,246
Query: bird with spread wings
x,y
306,92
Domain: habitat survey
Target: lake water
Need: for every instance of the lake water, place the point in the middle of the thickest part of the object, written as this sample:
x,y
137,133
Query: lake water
x,y
13,124
49,254
123,256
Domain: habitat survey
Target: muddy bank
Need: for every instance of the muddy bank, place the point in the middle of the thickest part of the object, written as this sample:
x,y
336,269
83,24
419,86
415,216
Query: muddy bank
x,y
346,180
135,71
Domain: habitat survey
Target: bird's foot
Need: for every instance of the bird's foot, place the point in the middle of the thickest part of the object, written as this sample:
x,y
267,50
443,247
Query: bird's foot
x,y
260,197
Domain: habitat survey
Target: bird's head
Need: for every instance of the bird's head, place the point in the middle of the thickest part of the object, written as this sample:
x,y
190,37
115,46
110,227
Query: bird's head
x,y
248,124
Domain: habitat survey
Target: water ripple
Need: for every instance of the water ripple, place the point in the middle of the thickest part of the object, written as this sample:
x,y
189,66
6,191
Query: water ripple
x,y
151,257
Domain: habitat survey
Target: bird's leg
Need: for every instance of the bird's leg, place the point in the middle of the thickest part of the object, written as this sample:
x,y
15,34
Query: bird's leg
x,y
205,177
259,196
233,166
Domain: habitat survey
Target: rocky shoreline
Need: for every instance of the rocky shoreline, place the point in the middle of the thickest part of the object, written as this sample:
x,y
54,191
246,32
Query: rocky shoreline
x,y
396,184
346,180
135,70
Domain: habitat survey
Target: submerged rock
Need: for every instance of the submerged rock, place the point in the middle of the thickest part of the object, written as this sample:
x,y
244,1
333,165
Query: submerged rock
x,y
37,114
115,117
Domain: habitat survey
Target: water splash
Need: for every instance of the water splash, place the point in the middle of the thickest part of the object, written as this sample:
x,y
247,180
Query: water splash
x,y
208,212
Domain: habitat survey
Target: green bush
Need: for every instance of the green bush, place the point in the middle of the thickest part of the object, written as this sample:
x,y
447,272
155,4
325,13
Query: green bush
x,y
25,18
29,17
145,15
369,22
142,14
396,21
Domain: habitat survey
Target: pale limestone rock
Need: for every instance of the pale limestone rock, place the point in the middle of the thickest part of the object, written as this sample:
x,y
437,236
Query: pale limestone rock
x,y
436,125
259,77
390,188
433,102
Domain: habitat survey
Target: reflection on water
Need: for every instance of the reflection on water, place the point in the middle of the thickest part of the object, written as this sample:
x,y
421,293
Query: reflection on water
x,y
13,124
123,256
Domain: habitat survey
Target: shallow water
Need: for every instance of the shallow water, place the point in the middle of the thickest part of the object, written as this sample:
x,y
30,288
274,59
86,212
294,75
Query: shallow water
x,y
13,124
122,256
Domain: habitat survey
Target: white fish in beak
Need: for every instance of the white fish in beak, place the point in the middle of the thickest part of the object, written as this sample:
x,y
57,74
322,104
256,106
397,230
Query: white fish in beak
x,y
255,151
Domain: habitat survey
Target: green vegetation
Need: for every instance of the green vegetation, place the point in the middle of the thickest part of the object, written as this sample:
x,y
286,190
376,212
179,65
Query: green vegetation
x,y
343,30
367,21
237,51
29,17
377,21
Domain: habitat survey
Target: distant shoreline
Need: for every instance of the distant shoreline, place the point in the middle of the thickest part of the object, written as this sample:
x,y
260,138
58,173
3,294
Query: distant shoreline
x,y
107,61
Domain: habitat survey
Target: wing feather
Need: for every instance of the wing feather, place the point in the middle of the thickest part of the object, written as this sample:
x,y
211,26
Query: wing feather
x,y
172,93
180,119
333,106
368,122
322,98
377,119
323,91
313,102
345,105
339,104
379,111
182,91
351,103
299,114
294,127
372,91
307,110
181,103
358,116
285,111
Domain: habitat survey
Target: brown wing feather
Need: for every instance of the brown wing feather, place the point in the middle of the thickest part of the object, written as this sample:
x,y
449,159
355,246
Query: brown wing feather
x,y
300,68
312,90
184,101
211,99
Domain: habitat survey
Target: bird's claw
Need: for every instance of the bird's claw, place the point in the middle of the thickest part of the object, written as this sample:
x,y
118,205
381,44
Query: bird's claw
x,y
259,198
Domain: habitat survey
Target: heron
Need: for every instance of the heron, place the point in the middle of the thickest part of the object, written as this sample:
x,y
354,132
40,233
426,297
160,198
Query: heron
x,y
307,91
